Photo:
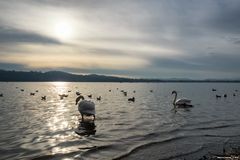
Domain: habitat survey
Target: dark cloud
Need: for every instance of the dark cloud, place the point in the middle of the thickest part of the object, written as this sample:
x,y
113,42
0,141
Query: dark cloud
x,y
175,64
12,66
234,40
220,62
105,52
211,62
226,17
11,35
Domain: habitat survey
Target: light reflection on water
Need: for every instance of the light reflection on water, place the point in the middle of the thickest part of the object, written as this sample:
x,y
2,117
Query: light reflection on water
x,y
33,128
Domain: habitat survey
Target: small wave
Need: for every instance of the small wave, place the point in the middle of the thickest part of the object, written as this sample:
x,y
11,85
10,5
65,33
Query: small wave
x,y
212,127
184,154
228,136
142,146
211,122
70,154
104,118
122,124
97,149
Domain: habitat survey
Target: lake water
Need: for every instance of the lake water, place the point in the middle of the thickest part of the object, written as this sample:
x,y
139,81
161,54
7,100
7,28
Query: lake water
x,y
148,128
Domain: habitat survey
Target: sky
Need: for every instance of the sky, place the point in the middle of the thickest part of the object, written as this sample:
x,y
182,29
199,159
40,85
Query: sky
x,y
129,38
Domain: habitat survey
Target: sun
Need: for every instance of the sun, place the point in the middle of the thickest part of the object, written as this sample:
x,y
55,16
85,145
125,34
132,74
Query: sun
x,y
63,30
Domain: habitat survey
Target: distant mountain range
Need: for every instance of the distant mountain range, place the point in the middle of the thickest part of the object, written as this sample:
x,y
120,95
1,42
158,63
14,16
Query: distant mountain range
x,y
32,76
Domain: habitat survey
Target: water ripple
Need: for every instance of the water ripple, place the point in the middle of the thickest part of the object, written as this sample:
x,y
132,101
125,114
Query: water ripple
x,y
36,129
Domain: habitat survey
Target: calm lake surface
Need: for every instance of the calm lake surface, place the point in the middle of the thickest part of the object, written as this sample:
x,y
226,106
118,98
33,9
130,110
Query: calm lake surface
x,y
148,128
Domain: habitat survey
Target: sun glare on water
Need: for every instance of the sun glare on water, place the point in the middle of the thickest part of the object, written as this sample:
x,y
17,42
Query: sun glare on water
x,y
59,84
60,87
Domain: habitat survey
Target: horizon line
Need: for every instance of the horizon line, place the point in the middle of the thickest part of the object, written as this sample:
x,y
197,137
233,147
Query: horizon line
x,y
134,78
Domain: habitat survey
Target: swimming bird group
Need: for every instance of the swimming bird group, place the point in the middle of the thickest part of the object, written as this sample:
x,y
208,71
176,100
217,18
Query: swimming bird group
x,y
185,103
224,95
178,103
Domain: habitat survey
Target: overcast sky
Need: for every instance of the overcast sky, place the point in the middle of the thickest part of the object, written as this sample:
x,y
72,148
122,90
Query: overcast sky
x,y
137,38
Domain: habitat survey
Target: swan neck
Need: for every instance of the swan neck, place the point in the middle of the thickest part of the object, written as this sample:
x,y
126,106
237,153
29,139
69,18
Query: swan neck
x,y
79,98
175,98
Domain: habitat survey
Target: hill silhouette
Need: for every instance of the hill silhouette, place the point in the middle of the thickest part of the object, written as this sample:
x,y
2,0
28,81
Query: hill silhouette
x,y
33,76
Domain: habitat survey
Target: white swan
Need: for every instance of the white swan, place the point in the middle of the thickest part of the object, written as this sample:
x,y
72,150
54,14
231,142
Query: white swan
x,y
85,107
181,103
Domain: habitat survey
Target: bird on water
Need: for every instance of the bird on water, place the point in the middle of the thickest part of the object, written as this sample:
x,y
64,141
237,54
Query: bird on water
x,y
181,103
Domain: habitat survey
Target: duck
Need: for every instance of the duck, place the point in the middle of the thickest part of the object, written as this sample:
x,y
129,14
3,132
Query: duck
x,y
32,94
181,103
99,98
218,96
213,89
225,95
43,98
131,99
1,95
90,95
63,95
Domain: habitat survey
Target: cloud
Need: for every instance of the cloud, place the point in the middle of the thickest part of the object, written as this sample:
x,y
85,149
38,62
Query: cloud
x,y
175,63
226,17
11,35
168,38
12,66
211,65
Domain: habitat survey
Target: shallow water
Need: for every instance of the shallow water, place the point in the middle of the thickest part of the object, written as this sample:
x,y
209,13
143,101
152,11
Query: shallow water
x,y
149,128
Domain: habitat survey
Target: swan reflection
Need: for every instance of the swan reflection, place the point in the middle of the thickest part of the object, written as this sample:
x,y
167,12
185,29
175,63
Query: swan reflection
x,y
86,128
